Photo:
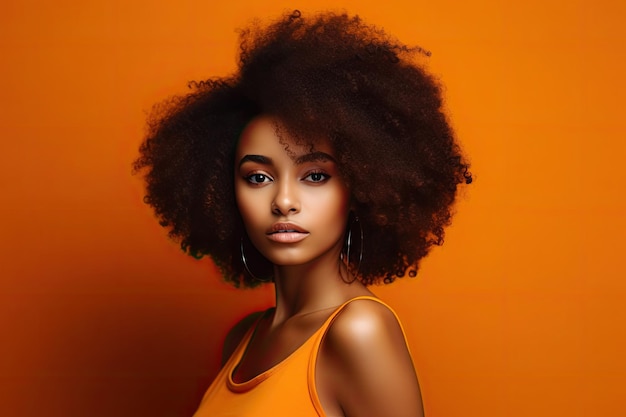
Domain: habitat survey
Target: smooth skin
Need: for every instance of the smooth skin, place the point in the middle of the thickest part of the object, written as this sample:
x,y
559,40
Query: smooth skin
x,y
295,207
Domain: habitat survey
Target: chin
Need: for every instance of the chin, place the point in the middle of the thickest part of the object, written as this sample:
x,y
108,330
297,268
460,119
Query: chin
x,y
289,262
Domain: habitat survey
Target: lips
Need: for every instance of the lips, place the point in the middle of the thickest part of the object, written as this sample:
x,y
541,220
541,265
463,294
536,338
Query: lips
x,y
286,233
285,228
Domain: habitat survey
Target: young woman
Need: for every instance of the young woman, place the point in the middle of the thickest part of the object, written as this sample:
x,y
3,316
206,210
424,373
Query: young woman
x,y
323,166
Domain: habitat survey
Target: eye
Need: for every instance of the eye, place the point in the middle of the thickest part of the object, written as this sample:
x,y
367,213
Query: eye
x,y
258,178
317,177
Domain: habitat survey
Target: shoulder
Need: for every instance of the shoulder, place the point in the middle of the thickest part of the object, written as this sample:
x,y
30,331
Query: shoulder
x,y
364,318
366,356
237,333
367,329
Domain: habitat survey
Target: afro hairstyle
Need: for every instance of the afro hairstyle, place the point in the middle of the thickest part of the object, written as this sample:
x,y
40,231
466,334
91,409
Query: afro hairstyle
x,y
329,75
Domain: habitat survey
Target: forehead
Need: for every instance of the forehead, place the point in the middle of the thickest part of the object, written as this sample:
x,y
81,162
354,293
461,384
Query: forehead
x,y
265,134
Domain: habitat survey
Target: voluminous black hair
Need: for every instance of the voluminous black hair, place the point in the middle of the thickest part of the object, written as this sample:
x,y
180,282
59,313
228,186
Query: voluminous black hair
x,y
325,76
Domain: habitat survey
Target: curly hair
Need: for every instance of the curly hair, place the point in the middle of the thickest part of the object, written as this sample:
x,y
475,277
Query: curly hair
x,y
330,76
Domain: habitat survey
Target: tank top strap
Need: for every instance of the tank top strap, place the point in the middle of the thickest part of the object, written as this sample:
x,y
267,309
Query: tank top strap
x,y
319,338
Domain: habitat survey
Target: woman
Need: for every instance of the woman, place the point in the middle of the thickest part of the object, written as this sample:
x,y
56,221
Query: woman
x,y
323,166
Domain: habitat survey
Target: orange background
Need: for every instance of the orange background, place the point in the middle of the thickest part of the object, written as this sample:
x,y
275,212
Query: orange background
x,y
521,313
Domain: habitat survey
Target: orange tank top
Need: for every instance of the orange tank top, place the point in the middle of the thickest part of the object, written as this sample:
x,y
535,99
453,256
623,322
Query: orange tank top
x,y
286,389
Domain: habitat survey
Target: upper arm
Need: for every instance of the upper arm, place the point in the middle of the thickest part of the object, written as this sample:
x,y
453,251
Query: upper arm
x,y
236,334
370,370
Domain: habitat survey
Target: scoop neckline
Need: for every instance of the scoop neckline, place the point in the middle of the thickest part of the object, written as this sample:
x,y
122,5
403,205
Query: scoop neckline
x,y
256,380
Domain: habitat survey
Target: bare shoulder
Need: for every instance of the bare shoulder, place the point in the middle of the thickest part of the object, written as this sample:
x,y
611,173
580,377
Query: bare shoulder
x,y
367,361
366,329
363,320
236,334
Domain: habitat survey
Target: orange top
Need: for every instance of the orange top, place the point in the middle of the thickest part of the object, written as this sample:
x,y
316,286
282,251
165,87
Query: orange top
x,y
286,389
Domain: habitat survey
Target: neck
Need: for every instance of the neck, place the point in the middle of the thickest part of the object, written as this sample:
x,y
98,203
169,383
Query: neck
x,y
304,289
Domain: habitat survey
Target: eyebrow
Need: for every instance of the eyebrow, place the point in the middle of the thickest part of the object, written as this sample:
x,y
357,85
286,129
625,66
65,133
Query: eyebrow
x,y
309,157
313,157
260,159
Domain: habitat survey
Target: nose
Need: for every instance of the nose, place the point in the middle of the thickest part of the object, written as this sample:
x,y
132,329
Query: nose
x,y
286,200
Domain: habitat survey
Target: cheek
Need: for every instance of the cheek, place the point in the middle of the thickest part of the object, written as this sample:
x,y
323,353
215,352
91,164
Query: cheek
x,y
335,207
245,205
342,199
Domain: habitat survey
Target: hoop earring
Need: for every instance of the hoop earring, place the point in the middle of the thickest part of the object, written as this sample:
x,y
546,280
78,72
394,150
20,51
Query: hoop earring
x,y
245,265
346,259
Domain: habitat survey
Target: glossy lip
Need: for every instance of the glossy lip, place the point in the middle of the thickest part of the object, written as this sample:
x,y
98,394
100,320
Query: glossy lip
x,y
287,237
285,228
286,233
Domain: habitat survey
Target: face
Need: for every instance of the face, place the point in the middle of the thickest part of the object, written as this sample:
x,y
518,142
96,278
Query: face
x,y
292,199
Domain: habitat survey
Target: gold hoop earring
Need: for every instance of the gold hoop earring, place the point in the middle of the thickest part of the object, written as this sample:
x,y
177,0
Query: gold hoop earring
x,y
245,265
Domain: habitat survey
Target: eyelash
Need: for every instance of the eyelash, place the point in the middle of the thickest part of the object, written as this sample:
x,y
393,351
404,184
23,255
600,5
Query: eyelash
x,y
259,178
325,176
254,178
